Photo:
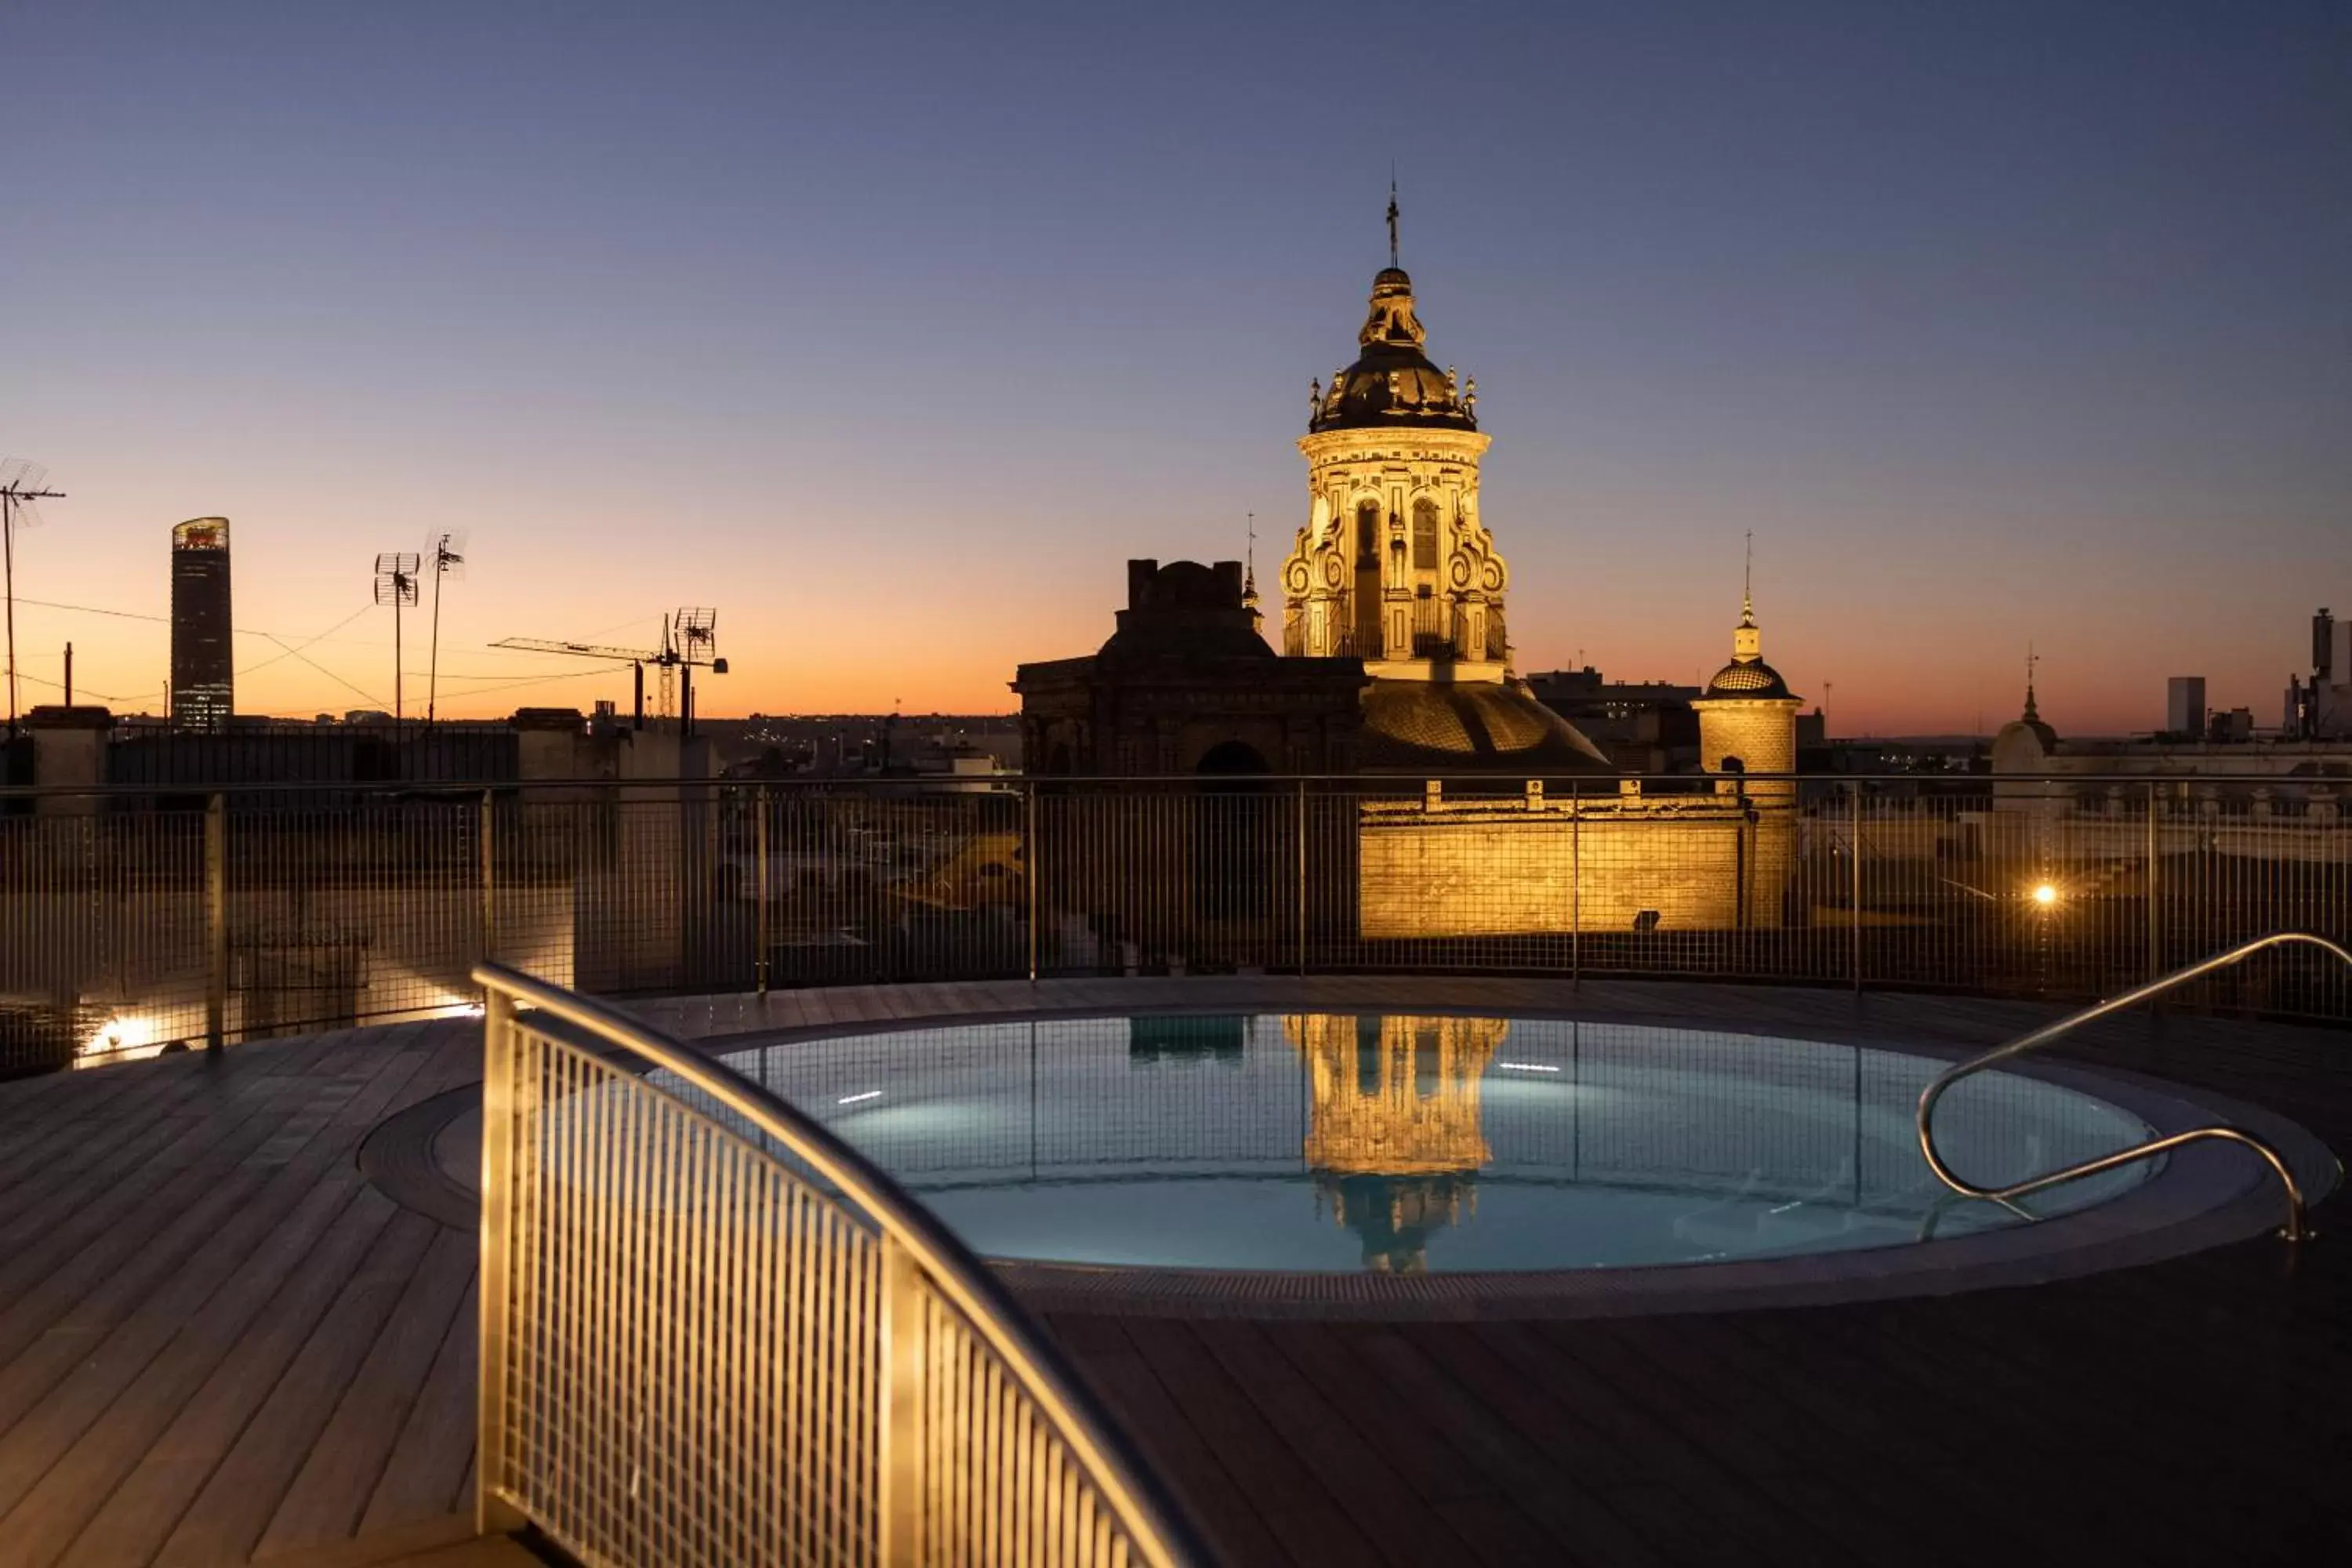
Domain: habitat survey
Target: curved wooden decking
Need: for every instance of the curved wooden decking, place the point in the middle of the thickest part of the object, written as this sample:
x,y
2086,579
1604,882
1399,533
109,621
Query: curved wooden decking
x,y
220,1343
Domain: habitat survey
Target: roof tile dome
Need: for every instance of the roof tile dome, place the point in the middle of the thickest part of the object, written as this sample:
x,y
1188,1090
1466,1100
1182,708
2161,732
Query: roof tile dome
x,y
1442,728
1748,679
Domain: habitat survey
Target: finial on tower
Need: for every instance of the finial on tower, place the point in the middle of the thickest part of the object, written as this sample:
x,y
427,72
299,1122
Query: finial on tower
x,y
2031,658
1392,214
1747,585
1249,579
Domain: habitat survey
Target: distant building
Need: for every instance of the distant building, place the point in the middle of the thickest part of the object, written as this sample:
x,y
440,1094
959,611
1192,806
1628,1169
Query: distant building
x,y
202,679
1646,726
2223,767
1184,686
2184,705
2321,708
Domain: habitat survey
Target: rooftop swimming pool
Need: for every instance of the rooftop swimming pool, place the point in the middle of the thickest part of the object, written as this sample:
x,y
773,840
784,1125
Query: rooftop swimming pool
x,y
1340,1143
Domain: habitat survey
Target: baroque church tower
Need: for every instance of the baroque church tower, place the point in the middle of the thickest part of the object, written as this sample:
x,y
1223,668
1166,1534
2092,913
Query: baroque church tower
x,y
1395,568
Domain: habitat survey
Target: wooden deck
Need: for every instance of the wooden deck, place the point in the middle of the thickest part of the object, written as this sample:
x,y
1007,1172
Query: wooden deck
x,y
219,1343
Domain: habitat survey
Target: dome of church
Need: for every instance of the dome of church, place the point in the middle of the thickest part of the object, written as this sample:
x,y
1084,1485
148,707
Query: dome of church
x,y
1442,728
2026,737
1747,678
1392,382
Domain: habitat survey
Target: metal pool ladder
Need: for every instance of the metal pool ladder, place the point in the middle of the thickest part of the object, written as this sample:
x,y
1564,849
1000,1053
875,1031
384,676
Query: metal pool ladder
x,y
2293,1230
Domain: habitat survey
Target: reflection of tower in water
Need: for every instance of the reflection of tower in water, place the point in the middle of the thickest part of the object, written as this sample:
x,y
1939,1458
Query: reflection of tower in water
x,y
1394,1137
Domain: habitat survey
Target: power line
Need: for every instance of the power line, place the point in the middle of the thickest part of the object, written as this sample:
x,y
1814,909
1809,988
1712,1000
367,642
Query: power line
x,y
102,696
323,636
374,699
306,638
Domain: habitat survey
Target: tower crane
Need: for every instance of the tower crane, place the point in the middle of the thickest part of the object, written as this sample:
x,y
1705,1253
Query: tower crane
x,y
689,641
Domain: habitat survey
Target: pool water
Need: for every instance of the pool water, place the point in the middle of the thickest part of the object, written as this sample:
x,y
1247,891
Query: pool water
x,y
1335,1142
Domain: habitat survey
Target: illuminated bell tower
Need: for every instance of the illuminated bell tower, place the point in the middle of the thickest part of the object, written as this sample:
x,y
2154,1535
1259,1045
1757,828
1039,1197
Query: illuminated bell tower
x,y
1393,565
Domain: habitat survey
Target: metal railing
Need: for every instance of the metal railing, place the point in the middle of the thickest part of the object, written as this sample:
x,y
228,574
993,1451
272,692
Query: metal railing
x,y
2294,1229
704,1347
133,919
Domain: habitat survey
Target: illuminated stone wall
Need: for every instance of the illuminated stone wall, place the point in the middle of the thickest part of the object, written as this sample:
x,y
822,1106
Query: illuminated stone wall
x,y
1760,733
1436,867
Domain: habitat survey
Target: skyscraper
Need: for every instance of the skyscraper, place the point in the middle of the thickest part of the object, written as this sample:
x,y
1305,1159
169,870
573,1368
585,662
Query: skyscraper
x,y
202,694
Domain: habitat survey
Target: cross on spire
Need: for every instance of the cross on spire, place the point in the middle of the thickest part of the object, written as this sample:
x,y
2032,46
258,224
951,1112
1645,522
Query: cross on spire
x,y
1393,215
1748,581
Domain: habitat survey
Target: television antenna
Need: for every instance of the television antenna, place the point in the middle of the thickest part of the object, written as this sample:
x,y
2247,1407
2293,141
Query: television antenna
x,y
445,556
20,487
694,640
395,584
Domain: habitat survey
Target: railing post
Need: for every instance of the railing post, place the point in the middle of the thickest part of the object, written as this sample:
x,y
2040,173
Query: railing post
x,y
489,882
492,1514
1302,875
900,1522
1575,887
2155,866
216,920
1031,866
1854,846
759,935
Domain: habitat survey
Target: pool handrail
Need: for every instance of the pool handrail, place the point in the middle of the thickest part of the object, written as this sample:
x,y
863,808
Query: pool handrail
x,y
1158,1530
2295,1230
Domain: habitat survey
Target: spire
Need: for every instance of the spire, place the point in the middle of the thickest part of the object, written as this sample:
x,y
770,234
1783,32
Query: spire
x,y
2031,658
1746,642
1249,578
1393,215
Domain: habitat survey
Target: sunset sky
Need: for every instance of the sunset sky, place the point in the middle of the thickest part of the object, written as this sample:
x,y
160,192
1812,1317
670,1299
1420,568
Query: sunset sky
x,y
892,332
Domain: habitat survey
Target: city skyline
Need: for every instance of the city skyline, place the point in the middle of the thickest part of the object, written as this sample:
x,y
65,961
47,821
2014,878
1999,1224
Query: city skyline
x,y
2005,330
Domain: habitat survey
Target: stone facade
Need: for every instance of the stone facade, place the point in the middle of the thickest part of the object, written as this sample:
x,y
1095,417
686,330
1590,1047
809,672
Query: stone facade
x,y
1186,686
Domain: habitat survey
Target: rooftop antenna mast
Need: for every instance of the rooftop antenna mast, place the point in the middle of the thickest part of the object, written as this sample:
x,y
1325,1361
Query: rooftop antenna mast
x,y
696,642
20,487
395,584
665,660
445,557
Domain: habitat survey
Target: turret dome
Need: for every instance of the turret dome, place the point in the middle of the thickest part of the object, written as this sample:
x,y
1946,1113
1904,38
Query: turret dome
x,y
1392,382
1747,678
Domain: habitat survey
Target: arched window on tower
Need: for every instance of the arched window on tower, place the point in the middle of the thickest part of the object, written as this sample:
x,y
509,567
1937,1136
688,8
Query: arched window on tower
x,y
1364,611
1424,535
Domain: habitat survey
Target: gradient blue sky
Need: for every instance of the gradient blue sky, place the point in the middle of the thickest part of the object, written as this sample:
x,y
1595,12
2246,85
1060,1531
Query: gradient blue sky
x,y
892,332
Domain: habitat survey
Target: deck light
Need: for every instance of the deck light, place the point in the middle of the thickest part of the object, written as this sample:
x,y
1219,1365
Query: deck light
x,y
2045,893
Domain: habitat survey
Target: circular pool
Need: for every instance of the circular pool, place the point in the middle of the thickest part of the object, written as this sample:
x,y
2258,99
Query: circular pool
x,y
1342,1143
